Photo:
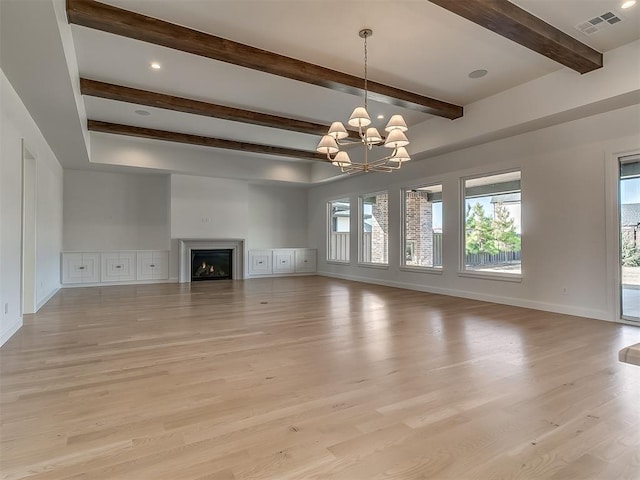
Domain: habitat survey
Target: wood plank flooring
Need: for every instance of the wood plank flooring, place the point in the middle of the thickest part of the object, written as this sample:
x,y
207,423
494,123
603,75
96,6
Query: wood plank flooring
x,y
313,378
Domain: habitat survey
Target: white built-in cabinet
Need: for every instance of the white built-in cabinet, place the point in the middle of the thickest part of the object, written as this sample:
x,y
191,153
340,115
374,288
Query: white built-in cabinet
x,y
118,267
153,265
80,267
114,267
282,261
305,260
260,262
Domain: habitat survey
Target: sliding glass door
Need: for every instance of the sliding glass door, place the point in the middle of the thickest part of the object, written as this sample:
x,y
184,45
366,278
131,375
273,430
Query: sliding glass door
x,y
629,210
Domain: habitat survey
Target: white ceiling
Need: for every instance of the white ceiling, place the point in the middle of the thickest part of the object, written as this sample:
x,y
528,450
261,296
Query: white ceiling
x,y
416,46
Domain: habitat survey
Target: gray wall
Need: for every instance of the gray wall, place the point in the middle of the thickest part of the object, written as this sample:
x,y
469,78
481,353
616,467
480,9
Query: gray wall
x,y
115,211
564,215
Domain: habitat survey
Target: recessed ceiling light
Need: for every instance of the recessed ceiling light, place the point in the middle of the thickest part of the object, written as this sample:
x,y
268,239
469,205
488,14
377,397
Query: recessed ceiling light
x,y
628,4
478,74
156,65
380,117
144,113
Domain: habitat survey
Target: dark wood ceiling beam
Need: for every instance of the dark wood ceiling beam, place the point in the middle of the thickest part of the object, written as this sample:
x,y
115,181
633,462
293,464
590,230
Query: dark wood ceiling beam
x,y
128,130
107,18
110,91
510,21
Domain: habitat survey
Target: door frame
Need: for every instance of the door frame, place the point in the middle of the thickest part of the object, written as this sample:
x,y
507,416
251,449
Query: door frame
x,y
612,223
29,192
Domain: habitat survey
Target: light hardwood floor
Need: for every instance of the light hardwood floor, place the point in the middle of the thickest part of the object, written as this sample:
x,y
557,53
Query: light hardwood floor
x,y
313,378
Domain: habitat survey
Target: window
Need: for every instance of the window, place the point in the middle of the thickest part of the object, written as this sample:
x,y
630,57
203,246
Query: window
x,y
492,224
422,235
339,214
374,228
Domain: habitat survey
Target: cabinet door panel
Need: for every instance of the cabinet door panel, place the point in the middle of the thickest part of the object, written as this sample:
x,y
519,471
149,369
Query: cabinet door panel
x,y
160,265
305,260
127,269
283,261
72,268
260,262
145,269
91,270
110,267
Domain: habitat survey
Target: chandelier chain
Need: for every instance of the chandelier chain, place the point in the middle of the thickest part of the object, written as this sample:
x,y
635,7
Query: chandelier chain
x,y
365,70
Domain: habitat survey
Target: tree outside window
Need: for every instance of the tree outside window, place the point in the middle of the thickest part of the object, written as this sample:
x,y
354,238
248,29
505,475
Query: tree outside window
x,y
492,224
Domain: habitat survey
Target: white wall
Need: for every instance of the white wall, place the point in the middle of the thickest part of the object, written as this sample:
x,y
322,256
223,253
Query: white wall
x,y
115,211
16,125
277,217
563,215
214,208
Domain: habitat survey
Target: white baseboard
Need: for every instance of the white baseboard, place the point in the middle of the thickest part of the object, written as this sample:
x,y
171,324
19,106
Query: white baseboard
x,y
42,302
280,275
114,284
515,302
10,331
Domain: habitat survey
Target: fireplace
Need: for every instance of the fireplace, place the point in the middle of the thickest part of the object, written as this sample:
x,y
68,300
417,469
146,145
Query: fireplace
x,y
188,245
214,264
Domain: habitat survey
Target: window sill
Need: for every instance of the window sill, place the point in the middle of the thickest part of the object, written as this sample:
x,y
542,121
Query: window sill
x,y
380,266
430,270
337,262
501,277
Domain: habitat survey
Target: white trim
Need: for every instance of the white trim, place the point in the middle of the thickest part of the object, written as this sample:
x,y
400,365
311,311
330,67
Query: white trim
x,y
381,266
515,302
115,284
417,269
502,277
612,234
11,331
337,262
42,302
253,276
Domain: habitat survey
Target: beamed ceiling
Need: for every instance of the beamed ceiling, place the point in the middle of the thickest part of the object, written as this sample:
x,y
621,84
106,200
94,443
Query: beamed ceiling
x,y
265,78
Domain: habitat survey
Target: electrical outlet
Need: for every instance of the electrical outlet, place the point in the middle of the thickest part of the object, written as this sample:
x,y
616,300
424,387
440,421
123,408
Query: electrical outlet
x,y
6,308
565,290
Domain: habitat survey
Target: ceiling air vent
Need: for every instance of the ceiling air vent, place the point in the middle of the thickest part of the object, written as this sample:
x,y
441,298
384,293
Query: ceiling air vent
x,y
598,23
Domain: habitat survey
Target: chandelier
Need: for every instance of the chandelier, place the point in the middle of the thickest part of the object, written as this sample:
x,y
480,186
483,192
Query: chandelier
x,y
369,136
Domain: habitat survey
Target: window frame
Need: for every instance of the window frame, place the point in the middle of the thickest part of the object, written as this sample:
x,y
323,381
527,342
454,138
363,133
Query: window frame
x,y
329,230
462,270
361,262
403,227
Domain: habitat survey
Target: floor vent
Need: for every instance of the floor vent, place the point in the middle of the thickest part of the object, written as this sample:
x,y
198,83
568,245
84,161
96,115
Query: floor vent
x,y
598,23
